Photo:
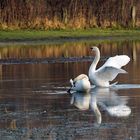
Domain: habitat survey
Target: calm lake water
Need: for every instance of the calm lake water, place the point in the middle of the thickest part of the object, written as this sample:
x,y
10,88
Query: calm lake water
x,y
35,105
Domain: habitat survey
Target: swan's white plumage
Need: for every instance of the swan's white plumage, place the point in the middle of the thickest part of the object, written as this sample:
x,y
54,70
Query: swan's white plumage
x,y
117,61
108,71
80,83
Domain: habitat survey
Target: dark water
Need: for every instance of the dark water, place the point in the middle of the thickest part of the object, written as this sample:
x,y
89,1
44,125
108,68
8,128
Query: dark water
x,y
34,104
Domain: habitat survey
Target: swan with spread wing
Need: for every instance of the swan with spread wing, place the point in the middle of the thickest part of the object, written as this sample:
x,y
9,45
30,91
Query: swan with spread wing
x,y
102,76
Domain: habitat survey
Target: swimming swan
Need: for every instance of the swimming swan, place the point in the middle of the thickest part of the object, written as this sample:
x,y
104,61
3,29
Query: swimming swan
x,y
80,83
112,67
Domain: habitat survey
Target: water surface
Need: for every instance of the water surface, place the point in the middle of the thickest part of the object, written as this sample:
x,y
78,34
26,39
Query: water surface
x,y
34,103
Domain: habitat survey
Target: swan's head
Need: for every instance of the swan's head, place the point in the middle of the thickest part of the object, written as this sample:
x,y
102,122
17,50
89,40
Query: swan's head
x,y
94,48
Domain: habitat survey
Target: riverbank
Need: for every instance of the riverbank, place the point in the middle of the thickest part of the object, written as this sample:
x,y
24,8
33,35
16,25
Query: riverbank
x,y
8,36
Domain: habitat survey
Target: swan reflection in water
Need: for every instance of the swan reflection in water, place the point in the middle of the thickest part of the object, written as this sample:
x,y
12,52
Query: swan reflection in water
x,y
106,98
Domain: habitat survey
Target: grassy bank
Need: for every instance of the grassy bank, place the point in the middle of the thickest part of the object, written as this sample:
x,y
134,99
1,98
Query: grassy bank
x,y
51,35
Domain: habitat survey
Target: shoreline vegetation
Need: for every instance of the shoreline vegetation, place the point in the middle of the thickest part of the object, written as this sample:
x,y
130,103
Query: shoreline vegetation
x,y
53,21
74,14
48,36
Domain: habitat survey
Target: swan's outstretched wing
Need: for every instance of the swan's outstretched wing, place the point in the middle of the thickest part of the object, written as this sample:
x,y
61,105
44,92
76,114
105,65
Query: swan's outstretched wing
x,y
117,61
108,73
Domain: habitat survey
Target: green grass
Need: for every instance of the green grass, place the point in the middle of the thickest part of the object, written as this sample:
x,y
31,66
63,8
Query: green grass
x,y
21,35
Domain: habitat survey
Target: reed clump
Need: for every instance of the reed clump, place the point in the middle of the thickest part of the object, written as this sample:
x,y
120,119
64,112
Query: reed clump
x,y
62,14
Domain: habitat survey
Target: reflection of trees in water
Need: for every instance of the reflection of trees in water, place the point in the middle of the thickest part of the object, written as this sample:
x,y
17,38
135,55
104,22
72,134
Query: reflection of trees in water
x,y
69,50
55,117
67,70
42,51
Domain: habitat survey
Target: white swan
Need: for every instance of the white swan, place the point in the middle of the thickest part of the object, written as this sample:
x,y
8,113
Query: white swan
x,y
80,83
112,67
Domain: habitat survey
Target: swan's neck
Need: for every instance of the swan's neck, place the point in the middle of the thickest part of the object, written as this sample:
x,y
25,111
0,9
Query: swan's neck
x,y
96,60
